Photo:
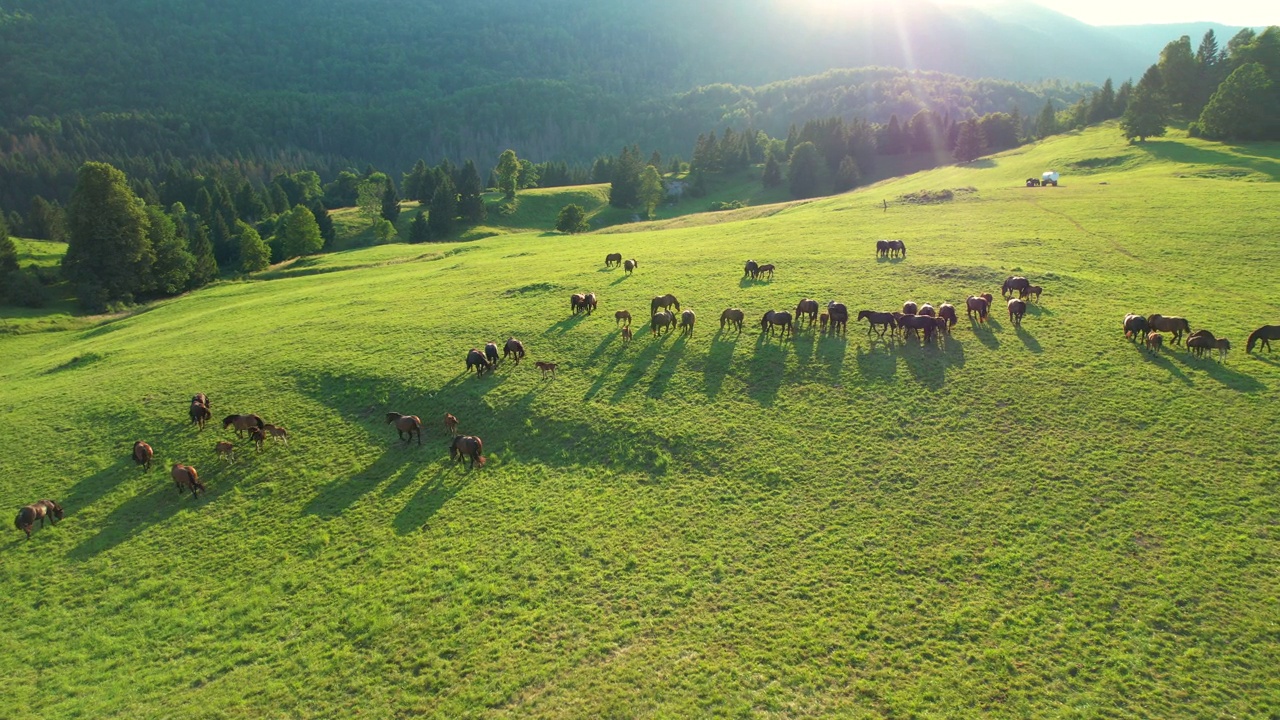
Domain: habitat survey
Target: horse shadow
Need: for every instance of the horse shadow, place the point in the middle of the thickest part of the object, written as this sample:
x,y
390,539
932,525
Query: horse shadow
x,y
662,378
432,495
804,344
766,370
719,356
566,324
1219,371
831,351
600,348
874,365
1037,311
1028,339
1160,361
397,461
748,281
623,278
639,367
927,363
890,260
143,511
984,334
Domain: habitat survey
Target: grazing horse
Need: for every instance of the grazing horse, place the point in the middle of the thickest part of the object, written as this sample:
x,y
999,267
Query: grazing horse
x,y
1135,327
513,349
807,308
1032,292
940,323
545,367
664,302
258,436
978,305
1200,342
277,433
908,308
927,310
1223,346
882,248
686,323
491,352
407,426
612,259
897,248
38,510
450,424
1017,308
464,447
839,317
664,320
911,323
629,266
621,315
142,454
947,312
476,359
765,269
732,316
779,318
577,303
1012,284
1175,325
225,451
1154,341
202,399
241,423
1266,334
988,297
199,414
823,321
874,319
589,302
626,334
751,268
186,478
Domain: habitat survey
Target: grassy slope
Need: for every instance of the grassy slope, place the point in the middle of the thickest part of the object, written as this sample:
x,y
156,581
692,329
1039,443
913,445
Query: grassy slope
x,y
1035,523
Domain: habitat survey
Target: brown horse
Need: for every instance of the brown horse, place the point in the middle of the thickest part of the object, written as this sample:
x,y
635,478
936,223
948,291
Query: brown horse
x,y
824,320
927,310
186,478
1017,308
913,323
225,451
589,302
947,312
450,424
732,316
882,320
407,426
142,454
1032,292
806,308
199,414
1012,284
629,266
37,510
941,324
577,303
686,323
1265,334
621,315
257,436
241,423
977,305
1223,346
897,248
751,269
1200,342
627,334
277,433
202,399
780,319
513,349
909,308
664,320
1154,342
765,269
839,317
464,447
1175,325
882,248
491,353
612,259
1135,327
663,302
546,368
477,360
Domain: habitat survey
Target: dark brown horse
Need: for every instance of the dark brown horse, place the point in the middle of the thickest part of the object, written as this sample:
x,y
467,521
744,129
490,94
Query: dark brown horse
x,y
1135,327
824,319
577,303
491,353
450,424
1265,334
927,310
663,302
806,308
765,270
897,248
257,436
947,312
732,316
839,317
1200,342
1013,284
241,423
882,248
882,320
199,414
909,308
1017,308
612,259
477,360
142,454
621,315
407,426
1175,325
589,302
977,305
664,320
626,334
914,323
751,269
780,319
37,510
513,349
1031,292
467,447
686,323
186,478
629,266
202,399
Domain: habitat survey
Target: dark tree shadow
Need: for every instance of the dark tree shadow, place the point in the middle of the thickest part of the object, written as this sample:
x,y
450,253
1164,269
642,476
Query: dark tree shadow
x,y
719,356
1028,339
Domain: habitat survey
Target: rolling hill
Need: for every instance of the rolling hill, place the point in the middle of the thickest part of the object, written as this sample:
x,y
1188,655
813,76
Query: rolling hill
x,y
1045,521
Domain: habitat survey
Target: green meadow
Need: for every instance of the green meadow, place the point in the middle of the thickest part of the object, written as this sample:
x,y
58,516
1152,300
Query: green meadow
x,y
1044,522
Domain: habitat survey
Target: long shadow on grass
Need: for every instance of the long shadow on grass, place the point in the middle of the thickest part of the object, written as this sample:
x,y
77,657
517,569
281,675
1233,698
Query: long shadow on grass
x,y
929,362
430,497
1163,363
400,461
804,345
767,369
877,363
1220,372
667,369
1179,152
565,325
1028,339
985,334
639,366
831,352
718,359
144,510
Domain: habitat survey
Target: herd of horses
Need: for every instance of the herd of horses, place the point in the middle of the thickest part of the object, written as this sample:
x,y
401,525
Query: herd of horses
x,y
1149,331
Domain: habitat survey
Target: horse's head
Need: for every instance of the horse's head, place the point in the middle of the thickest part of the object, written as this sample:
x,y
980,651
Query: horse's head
x,y
393,416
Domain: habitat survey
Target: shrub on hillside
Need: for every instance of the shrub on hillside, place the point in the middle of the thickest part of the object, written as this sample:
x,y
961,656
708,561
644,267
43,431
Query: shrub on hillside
x,y
24,289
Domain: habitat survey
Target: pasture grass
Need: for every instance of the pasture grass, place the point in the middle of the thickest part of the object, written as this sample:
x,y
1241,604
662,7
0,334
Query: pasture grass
x,y
1045,522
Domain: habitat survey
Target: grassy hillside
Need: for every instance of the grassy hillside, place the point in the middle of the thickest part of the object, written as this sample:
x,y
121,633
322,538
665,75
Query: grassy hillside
x,y
1044,522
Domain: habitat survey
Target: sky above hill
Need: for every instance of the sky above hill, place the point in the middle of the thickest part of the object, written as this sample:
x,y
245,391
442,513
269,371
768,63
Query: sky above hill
x,y
1254,13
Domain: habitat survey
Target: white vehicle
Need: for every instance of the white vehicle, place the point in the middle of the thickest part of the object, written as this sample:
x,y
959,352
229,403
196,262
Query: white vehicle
x,y
1049,178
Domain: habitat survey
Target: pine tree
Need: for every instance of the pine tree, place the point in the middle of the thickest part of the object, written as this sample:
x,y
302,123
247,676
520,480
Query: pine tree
x,y
969,143
419,230
1243,108
254,253
1147,113
848,176
444,209
772,177
414,182
108,252
226,248
325,222
624,191
1179,74
171,271
249,205
390,203
803,172
301,234
1102,104
1047,122
205,269
470,199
